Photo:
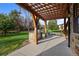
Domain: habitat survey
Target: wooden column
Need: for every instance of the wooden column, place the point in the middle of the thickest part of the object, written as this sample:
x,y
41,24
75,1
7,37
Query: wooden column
x,y
65,27
35,29
45,28
68,31
69,16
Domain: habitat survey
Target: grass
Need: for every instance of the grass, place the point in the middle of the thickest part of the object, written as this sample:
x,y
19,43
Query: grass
x,y
12,42
55,31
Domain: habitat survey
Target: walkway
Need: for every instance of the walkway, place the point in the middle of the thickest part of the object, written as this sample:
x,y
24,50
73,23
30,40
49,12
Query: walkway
x,y
50,47
59,50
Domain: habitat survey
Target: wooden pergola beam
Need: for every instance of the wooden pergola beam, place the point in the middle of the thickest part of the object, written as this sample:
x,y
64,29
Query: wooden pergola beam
x,y
58,12
35,29
54,18
26,7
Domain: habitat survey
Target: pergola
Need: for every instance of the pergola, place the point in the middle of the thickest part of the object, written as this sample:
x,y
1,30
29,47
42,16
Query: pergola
x,y
47,11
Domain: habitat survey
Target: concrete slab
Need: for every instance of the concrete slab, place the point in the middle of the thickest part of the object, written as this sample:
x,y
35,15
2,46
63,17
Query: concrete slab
x,y
33,50
59,50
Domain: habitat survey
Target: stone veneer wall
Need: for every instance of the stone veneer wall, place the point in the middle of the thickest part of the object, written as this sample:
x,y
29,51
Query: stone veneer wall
x,y
32,37
73,36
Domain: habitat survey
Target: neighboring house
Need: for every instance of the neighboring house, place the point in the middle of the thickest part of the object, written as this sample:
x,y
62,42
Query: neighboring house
x,y
61,27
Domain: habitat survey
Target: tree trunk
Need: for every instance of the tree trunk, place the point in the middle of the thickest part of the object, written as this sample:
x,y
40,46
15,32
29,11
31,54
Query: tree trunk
x,y
28,29
4,32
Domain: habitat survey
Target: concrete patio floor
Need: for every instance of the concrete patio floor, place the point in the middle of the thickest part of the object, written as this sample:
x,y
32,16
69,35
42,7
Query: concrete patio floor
x,y
59,50
54,46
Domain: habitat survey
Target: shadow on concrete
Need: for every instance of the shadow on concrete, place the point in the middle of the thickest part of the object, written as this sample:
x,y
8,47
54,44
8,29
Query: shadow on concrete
x,y
48,39
59,50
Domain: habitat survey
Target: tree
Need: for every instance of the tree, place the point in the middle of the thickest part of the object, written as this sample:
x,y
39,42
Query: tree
x,y
6,23
29,24
15,16
52,24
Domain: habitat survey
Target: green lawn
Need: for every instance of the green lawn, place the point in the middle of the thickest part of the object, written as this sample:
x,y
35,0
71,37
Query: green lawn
x,y
54,31
12,42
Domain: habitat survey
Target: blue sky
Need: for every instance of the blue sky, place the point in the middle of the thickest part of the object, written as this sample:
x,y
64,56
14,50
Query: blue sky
x,y
7,7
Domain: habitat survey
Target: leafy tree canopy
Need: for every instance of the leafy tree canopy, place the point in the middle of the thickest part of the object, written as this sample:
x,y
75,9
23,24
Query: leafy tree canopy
x,y
52,24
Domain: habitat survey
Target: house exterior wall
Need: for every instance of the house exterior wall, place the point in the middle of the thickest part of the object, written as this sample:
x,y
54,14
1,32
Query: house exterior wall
x,y
73,36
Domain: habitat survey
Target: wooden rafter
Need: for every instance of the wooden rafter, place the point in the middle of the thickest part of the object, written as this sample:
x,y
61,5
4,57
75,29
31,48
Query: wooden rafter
x,y
25,6
47,11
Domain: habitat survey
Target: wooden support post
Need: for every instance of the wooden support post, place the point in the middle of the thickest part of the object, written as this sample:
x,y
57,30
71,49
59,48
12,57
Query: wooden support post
x,y
68,31
65,27
45,28
69,16
35,29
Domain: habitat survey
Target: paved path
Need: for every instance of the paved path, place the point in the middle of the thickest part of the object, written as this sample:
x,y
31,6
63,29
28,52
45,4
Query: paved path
x,y
46,47
59,50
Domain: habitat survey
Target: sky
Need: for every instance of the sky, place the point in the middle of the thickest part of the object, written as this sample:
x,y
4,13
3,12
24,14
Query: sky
x,y
60,21
7,7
